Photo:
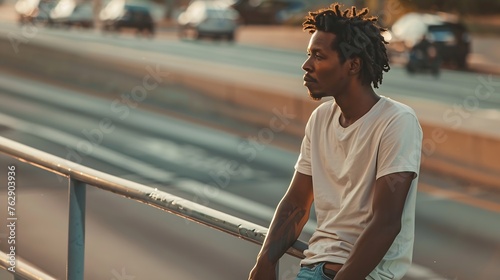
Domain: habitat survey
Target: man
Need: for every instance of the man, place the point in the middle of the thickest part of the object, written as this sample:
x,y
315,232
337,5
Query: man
x,y
358,162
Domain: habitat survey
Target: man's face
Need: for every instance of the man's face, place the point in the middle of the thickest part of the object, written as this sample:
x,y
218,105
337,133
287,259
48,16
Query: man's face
x,y
325,75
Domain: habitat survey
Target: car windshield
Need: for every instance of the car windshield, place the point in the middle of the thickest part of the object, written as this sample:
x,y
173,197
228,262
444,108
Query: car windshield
x,y
441,36
213,12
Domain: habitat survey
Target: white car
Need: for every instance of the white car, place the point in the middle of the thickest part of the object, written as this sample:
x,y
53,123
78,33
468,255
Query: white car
x,y
78,15
214,19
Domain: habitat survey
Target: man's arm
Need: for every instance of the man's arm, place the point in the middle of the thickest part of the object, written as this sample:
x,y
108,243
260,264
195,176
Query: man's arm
x,y
289,219
374,242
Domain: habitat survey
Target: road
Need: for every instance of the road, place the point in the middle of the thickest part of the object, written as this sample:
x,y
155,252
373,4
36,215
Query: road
x,y
223,170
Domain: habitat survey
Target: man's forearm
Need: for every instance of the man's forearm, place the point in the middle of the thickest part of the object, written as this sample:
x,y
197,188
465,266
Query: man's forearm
x,y
284,230
368,251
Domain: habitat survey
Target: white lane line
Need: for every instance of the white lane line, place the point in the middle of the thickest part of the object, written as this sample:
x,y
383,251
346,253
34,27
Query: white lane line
x,y
169,127
71,143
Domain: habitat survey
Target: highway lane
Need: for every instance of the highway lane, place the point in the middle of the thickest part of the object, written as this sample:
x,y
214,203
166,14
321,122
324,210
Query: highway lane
x,y
173,148
450,88
156,149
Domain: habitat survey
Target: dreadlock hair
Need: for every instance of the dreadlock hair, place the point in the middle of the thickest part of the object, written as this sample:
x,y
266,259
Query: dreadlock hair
x,y
356,36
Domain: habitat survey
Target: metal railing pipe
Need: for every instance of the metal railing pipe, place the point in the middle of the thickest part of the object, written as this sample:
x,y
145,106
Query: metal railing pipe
x,y
23,269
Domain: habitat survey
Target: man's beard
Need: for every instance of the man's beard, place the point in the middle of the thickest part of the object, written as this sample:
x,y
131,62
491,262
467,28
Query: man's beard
x,y
316,96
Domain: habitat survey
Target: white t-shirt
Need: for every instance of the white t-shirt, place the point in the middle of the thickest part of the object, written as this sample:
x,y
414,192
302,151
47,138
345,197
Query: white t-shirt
x,y
344,164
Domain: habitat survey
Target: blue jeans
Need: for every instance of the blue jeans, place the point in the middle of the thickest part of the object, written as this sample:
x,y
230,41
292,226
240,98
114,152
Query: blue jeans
x,y
313,273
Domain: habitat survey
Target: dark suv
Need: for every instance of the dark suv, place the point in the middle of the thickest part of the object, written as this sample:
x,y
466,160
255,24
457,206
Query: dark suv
x,y
132,17
448,35
452,42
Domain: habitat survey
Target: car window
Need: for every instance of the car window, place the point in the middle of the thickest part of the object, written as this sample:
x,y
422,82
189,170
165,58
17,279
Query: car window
x,y
441,36
220,13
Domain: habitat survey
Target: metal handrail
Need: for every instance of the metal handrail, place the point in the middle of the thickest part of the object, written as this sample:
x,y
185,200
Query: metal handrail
x,y
80,176
24,270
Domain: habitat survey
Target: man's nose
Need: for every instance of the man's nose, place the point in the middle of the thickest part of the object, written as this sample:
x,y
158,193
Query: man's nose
x,y
307,65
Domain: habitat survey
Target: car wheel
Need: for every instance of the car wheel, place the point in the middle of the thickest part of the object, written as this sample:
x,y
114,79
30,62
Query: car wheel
x,y
181,33
410,68
230,37
150,32
462,62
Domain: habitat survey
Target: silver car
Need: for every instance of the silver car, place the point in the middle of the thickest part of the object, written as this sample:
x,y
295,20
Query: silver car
x,y
214,19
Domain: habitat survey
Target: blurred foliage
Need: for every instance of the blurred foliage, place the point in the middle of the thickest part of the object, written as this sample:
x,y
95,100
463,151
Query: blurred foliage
x,y
462,7
480,16
483,25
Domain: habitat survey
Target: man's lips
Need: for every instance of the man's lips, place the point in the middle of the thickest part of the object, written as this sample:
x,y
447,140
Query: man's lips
x,y
309,79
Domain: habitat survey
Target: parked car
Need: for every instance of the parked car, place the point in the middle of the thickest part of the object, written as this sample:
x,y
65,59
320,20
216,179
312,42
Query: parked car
x,y
424,58
81,15
35,11
214,19
267,11
128,16
449,36
452,41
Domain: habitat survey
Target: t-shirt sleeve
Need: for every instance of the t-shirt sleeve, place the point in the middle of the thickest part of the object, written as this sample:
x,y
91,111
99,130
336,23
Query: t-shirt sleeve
x,y
303,164
400,146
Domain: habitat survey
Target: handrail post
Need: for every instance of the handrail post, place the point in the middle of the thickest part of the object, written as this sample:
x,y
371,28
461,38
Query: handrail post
x,y
76,230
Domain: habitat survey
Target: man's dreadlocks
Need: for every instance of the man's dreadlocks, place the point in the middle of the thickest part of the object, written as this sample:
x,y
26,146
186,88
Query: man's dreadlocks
x,y
356,36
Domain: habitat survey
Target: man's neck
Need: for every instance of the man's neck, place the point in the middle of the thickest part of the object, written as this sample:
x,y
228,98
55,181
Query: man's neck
x,y
356,104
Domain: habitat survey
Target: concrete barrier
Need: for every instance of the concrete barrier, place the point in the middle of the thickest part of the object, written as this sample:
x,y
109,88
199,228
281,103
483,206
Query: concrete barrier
x,y
469,152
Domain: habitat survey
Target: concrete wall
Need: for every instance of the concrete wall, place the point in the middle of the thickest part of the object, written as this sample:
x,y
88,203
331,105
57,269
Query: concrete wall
x,y
470,152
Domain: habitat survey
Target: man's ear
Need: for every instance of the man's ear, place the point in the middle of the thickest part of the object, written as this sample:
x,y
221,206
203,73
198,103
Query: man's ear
x,y
355,64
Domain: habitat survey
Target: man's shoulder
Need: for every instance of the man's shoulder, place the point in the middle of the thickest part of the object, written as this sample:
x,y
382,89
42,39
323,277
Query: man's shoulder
x,y
396,108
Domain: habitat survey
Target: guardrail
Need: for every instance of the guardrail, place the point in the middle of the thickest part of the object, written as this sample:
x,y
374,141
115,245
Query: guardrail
x,y
80,176
24,270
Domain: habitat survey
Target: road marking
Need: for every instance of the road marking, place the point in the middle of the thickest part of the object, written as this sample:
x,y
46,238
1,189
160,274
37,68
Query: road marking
x,y
98,151
460,197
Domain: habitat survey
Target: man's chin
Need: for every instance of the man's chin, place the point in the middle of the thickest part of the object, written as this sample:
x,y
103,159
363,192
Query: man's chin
x,y
316,96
